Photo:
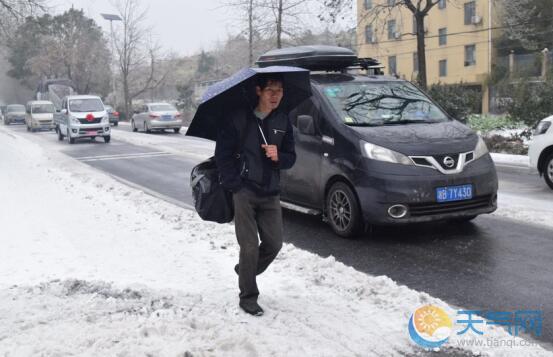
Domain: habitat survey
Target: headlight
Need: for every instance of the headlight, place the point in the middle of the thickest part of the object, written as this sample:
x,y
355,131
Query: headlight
x,y
481,149
105,119
542,127
75,120
379,153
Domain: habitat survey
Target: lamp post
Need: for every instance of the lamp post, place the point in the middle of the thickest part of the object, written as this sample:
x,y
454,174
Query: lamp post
x,y
111,18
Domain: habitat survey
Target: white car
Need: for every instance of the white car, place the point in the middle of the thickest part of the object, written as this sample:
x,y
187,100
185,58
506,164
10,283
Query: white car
x,y
157,116
40,115
540,150
83,116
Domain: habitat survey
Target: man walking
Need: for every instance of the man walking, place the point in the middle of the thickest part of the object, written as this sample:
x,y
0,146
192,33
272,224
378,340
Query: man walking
x,y
252,147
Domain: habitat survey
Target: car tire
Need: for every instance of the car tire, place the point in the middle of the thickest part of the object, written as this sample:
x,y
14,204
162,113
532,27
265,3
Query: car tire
x,y
71,140
343,211
107,139
28,128
60,135
177,130
133,126
548,171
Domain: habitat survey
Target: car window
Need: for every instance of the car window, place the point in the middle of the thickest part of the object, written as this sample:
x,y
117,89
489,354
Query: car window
x,y
382,103
162,108
42,108
16,108
86,105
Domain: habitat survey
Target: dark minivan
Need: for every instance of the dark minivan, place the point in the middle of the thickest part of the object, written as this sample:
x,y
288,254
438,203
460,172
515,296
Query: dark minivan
x,y
376,150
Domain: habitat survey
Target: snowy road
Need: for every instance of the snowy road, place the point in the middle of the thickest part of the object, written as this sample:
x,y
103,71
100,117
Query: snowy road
x,y
494,264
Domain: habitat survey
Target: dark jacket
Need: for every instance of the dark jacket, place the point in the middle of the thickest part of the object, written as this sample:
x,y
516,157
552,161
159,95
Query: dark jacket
x,y
250,167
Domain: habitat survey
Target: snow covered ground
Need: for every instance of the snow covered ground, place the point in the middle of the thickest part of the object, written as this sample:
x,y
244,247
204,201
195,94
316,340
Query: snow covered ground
x,y
89,266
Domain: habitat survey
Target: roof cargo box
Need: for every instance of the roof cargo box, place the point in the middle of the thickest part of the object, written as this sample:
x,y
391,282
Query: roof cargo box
x,y
314,58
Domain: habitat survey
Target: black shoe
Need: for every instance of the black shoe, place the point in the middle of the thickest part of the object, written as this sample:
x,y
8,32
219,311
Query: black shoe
x,y
236,267
251,307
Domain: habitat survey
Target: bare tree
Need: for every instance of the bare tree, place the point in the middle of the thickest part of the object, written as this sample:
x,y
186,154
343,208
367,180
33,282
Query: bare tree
x,y
138,55
287,16
379,13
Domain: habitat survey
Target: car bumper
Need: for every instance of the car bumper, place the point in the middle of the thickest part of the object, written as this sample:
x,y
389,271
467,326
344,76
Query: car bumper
x,y
379,192
49,125
162,124
15,120
88,131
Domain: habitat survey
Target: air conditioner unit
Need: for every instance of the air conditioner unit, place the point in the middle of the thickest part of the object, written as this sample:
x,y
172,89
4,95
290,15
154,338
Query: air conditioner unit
x,y
397,35
476,20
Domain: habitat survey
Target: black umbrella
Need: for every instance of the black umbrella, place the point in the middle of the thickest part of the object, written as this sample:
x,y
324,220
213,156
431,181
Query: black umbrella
x,y
238,91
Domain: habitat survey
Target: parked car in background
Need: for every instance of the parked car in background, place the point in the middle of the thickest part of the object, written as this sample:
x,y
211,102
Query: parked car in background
x,y
40,115
83,116
376,150
157,116
15,113
113,115
540,150
2,112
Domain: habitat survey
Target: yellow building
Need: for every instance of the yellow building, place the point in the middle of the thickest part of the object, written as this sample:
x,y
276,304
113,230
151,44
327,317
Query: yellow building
x,y
458,34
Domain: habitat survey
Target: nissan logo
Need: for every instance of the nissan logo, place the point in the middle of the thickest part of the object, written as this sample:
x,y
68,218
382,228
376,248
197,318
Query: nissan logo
x,y
449,161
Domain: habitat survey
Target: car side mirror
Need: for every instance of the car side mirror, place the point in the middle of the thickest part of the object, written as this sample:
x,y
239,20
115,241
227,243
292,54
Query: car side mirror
x,y
63,111
306,125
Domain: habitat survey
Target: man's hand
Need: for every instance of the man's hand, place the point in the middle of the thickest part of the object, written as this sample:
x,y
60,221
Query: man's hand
x,y
271,151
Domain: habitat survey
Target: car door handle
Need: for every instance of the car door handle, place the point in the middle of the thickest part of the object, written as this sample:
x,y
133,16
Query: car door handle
x,y
328,140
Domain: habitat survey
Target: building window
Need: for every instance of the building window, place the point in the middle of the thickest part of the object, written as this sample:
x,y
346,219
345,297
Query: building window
x,y
415,62
442,36
392,65
368,4
443,68
442,4
470,12
369,35
391,29
414,25
470,55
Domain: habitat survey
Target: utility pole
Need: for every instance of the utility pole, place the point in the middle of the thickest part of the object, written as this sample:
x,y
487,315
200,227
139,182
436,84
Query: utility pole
x,y
111,18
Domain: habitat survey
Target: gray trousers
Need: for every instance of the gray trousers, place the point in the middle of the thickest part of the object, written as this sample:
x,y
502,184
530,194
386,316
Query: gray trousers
x,y
253,214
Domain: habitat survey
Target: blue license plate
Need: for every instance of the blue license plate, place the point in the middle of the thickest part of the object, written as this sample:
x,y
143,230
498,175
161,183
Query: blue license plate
x,y
454,193
166,117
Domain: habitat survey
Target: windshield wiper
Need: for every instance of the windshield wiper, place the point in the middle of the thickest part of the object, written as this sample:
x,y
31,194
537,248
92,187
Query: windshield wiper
x,y
364,124
409,121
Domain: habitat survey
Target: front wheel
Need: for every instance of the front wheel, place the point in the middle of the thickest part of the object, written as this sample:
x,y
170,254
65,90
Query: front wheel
x,y
342,211
146,127
133,126
60,135
548,171
107,139
71,140
177,130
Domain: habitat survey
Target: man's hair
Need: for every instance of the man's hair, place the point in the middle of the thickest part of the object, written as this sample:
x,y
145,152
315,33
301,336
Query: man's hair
x,y
263,80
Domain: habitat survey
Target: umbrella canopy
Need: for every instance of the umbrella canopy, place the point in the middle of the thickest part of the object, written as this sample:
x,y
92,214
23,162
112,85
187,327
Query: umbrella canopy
x,y
238,91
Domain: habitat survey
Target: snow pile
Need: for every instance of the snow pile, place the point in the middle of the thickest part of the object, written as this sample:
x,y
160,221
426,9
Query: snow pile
x,y
92,267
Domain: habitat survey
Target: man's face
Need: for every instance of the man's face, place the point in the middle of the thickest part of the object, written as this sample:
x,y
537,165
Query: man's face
x,y
271,95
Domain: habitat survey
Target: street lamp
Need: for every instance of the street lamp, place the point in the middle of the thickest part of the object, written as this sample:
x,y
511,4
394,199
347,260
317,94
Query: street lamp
x,y
111,18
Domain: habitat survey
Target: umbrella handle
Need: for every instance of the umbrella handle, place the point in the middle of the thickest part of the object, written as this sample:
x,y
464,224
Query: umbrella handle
x,y
262,135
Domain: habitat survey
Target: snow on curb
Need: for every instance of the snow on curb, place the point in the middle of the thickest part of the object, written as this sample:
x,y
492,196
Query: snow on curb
x,y
90,266
511,160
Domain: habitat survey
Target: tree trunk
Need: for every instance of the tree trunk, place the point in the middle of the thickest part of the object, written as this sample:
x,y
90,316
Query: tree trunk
x,y
421,51
279,24
250,35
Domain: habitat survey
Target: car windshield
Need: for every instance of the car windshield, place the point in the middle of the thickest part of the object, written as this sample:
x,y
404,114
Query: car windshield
x,y
86,105
109,108
382,103
16,108
162,108
42,108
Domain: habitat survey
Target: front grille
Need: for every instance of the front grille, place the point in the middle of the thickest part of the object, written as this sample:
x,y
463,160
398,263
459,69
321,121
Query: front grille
x,y
95,121
86,131
428,209
440,160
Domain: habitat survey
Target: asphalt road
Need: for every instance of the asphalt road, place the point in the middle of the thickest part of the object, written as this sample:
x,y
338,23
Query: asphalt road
x,y
491,264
